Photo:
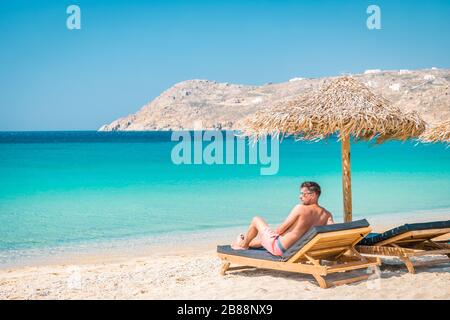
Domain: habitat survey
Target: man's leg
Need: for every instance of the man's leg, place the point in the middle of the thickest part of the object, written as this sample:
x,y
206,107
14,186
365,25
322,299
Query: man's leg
x,y
257,225
255,243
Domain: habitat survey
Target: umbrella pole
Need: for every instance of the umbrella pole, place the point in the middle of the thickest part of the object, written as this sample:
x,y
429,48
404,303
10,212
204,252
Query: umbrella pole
x,y
346,178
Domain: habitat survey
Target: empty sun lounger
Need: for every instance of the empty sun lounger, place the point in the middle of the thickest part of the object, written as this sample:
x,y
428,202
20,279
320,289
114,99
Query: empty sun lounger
x,y
321,251
408,241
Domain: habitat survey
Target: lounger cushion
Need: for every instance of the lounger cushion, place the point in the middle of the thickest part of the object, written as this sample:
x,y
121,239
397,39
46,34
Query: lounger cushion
x,y
255,253
374,238
263,254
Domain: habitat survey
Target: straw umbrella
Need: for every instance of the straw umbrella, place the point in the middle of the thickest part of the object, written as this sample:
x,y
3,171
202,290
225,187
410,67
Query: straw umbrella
x,y
439,133
343,106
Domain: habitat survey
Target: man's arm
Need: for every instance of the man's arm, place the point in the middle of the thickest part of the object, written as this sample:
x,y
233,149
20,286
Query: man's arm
x,y
330,219
289,220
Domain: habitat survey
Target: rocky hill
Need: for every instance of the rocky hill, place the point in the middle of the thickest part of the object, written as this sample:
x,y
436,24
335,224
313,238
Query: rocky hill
x,y
204,104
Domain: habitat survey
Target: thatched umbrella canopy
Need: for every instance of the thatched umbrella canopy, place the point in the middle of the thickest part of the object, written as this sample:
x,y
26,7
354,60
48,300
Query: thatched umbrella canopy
x,y
438,133
343,106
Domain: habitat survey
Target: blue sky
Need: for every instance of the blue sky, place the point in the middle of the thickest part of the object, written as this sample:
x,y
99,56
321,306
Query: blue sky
x,y
128,52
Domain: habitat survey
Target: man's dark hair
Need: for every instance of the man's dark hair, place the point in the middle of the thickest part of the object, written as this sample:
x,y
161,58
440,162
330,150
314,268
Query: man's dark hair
x,y
312,187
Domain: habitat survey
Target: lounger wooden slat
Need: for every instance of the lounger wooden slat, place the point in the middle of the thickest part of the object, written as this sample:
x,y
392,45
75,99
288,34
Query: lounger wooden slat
x,y
411,244
413,236
323,254
346,281
386,251
348,266
283,266
326,244
329,251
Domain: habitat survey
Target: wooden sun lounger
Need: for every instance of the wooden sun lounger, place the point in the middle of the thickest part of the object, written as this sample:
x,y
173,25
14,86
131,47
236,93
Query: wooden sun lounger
x,y
323,253
410,244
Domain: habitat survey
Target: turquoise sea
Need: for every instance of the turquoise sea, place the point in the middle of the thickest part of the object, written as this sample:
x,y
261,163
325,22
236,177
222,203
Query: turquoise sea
x,y
66,188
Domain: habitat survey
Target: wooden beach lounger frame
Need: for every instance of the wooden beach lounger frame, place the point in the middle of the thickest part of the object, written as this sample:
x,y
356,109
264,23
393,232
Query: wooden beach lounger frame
x,y
337,247
411,244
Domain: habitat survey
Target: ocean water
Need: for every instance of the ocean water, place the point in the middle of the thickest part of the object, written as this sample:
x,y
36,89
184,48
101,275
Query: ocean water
x,y
61,189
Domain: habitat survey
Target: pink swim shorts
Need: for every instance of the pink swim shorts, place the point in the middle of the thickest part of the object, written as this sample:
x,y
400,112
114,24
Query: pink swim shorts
x,y
270,240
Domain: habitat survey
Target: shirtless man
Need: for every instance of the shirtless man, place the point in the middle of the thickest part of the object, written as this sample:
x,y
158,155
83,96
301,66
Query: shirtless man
x,y
302,217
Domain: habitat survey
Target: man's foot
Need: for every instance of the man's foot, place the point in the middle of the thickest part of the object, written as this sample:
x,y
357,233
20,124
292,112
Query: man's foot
x,y
240,243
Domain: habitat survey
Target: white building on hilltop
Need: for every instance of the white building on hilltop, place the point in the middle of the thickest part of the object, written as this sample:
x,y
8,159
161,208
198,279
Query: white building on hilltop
x,y
371,71
296,79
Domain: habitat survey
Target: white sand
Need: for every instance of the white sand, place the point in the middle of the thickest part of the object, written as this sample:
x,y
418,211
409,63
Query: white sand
x,y
193,273
196,276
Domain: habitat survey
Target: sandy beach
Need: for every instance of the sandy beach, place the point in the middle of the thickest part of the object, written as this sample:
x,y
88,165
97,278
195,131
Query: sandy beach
x,y
192,272
196,276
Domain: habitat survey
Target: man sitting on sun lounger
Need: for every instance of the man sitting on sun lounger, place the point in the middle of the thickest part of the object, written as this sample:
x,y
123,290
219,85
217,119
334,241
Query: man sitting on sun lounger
x,y
302,217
